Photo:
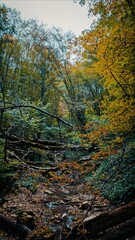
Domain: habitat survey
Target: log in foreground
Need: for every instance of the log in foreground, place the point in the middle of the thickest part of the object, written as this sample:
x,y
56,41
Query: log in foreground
x,y
118,224
122,231
14,228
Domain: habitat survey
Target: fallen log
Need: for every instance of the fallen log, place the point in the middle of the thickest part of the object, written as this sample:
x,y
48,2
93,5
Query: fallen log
x,y
113,225
13,228
92,228
41,144
47,144
122,231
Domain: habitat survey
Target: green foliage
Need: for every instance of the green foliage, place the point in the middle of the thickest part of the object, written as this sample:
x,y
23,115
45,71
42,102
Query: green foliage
x,y
7,173
29,181
73,137
2,144
73,155
116,178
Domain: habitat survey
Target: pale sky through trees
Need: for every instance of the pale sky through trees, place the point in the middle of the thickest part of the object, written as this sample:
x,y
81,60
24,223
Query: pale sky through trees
x,y
59,13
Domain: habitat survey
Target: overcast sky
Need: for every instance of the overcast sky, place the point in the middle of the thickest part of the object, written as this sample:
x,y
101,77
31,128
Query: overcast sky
x,y
59,13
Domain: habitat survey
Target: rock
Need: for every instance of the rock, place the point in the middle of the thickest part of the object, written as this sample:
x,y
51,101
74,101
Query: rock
x,y
31,213
85,158
92,217
64,215
28,220
48,191
13,206
85,205
20,205
13,216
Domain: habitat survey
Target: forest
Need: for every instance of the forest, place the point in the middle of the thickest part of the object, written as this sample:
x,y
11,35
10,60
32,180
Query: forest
x,y
67,126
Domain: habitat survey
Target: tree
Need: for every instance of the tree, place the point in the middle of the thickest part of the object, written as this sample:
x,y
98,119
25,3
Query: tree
x,y
31,58
114,51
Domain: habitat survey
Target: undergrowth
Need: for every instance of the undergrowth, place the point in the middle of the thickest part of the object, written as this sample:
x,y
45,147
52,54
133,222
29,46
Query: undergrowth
x,y
115,177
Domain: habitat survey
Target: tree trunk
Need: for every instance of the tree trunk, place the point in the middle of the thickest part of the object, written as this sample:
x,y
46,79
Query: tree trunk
x,y
14,228
114,225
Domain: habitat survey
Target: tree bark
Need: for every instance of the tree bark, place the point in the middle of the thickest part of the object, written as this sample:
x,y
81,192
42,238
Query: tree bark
x,y
120,222
14,228
121,232
113,225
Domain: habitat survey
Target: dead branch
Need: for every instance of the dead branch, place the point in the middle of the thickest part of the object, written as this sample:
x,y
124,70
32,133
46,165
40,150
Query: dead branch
x,y
31,165
13,106
41,144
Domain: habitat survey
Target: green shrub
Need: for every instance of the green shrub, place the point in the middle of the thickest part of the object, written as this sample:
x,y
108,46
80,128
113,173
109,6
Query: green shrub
x,y
29,181
7,172
115,177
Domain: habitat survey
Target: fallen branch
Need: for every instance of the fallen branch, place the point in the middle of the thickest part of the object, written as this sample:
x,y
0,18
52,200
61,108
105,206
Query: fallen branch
x,y
45,145
36,108
32,166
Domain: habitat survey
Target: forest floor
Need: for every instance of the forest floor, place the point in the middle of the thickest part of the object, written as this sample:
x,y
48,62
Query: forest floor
x,y
50,201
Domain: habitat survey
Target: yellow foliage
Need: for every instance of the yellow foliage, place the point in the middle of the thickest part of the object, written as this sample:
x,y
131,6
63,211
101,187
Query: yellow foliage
x,y
111,45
